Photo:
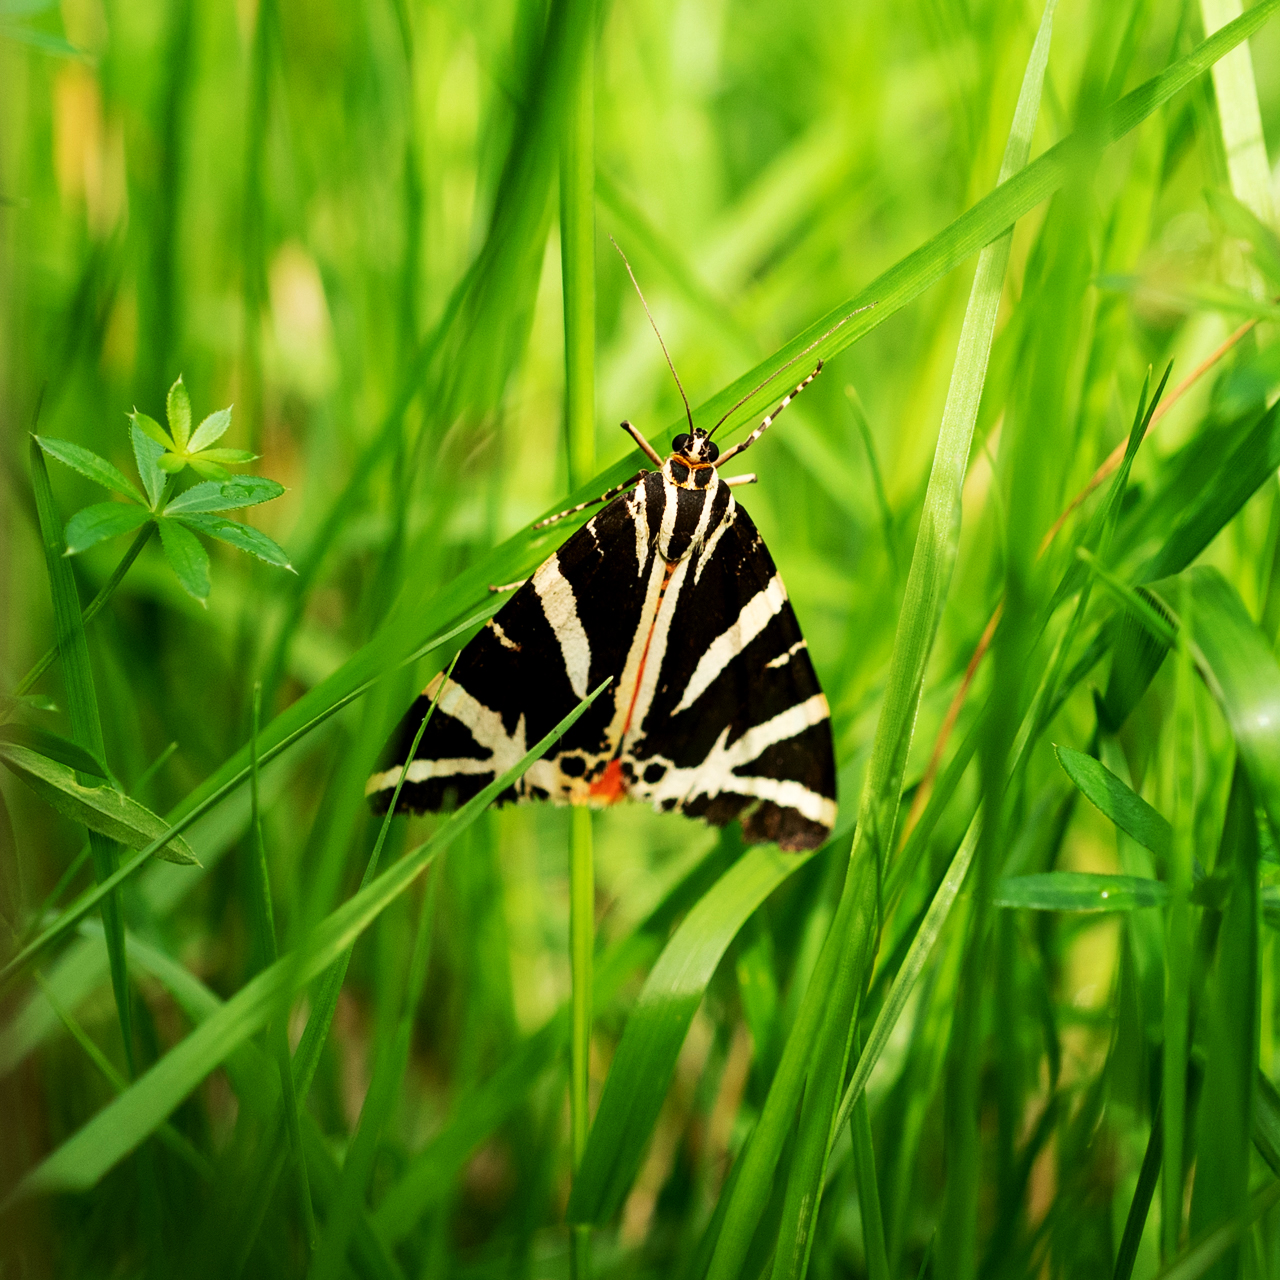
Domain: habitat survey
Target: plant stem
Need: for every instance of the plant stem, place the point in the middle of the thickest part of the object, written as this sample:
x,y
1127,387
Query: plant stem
x,y
94,607
577,255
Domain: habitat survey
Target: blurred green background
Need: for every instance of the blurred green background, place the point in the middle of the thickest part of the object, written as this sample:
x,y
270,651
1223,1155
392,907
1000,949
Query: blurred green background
x,y
343,220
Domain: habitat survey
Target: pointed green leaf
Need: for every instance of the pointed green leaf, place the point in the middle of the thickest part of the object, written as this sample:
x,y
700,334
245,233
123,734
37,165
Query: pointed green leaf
x,y
152,429
227,455
54,747
102,809
187,558
90,465
147,453
1079,891
212,429
243,536
171,463
178,407
1117,801
103,520
225,495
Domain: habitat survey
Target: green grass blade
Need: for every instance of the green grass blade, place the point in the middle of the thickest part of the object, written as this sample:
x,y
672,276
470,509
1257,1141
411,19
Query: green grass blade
x,y
75,913
655,1031
578,278
908,973
52,746
1079,891
1236,94
928,582
116,1130
1227,1109
1116,800
1240,669
82,705
1178,943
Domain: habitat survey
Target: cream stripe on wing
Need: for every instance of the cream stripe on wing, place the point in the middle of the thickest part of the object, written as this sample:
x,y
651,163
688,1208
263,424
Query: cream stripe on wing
x,y
638,508
755,616
714,775
561,610
705,553
657,653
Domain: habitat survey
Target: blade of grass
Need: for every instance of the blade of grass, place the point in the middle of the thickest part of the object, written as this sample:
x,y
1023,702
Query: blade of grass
x,y
94,607
646,1057
1178,948
1221,1189
905,980
277,1029
1240,119
101,1143
347,1204
75,913
577,259
928,582
82,706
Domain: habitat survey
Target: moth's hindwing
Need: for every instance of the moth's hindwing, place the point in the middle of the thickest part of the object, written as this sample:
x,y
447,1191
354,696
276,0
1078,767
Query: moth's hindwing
x,y
715,710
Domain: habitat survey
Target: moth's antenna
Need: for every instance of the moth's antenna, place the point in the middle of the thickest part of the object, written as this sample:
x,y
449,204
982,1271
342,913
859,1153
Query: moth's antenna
x,y
798,355
688,413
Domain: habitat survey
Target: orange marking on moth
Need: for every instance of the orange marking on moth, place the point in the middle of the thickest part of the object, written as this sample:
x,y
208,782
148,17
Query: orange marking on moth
x,y
610,786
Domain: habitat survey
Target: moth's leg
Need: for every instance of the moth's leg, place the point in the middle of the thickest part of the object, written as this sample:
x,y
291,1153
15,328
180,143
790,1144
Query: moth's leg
x,y
768,422
649,450
509,586
749,478
591,502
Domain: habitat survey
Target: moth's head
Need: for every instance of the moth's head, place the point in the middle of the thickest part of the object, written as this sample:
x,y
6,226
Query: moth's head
x,y
695,448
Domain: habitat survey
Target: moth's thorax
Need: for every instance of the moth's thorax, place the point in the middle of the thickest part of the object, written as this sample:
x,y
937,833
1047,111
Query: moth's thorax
x,y
689,475
688,505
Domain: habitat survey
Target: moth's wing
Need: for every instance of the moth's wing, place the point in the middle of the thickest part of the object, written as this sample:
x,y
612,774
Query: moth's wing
x,y
738,726
556,639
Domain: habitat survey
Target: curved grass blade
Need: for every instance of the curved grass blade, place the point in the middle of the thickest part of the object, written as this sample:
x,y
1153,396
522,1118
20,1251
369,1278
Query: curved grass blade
x,y
116,1130
1116,800
86,725
1241,670
78,910
53,747
655,1031
856,926
1079,891
905,980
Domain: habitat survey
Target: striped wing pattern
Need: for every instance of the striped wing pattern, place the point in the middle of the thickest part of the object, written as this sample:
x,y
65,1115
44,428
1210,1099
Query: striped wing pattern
x,y
714,711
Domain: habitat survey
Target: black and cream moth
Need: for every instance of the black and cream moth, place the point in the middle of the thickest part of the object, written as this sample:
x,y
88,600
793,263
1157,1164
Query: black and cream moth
x,y
714,710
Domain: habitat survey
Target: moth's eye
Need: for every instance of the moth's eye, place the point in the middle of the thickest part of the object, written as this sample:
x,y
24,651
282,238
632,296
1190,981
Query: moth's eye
x,y
681,443
709,450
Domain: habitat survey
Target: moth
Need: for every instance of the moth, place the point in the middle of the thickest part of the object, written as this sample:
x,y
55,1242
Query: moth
x,y
714,710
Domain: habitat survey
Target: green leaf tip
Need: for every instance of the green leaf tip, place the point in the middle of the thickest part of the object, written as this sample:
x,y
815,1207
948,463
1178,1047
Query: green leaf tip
x,y
178,409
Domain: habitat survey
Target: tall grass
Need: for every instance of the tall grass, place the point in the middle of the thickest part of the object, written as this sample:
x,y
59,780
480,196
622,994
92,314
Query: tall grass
x,y
1018,1016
